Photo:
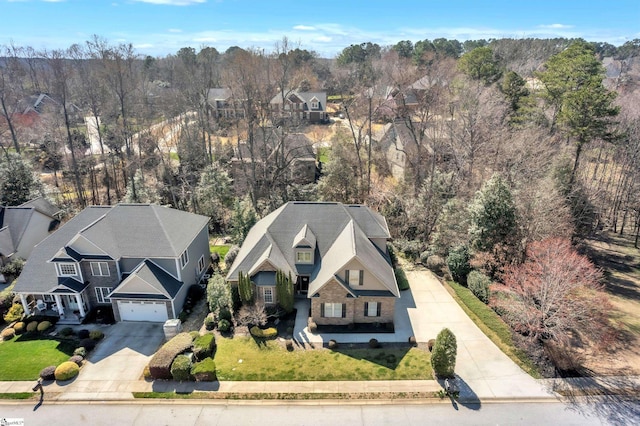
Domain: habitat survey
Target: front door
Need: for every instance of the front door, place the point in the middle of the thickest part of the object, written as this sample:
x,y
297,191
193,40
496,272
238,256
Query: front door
x,y
302,286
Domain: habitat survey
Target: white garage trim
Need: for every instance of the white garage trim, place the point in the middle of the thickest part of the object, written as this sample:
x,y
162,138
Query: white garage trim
x,y
142,311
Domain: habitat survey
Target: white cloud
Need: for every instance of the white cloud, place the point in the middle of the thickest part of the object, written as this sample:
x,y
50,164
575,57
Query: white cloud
x,y
172,2
556,26
304,28
174,30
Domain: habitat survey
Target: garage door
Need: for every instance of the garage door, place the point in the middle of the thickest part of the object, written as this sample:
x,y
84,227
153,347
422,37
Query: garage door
x,y
147,311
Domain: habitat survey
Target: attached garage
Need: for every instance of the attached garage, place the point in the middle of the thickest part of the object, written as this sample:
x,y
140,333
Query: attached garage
x,y
142,311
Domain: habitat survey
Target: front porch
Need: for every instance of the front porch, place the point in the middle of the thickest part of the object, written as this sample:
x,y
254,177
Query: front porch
x,y
70,308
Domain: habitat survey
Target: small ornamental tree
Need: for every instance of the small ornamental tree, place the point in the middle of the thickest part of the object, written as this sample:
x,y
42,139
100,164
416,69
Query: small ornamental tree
x,y
479,283
458,263
245,288
443,355
219,296
284,291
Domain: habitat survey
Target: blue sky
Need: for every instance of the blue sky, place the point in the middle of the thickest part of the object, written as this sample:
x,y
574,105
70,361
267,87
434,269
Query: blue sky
x,y
159,27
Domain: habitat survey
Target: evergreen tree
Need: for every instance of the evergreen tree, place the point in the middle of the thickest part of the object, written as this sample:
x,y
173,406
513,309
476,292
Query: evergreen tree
x,y
18,183
443,356
284,291
245,288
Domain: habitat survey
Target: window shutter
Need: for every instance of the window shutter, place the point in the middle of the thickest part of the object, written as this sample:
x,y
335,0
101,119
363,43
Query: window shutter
x,y
361,277
366,309
344,310
322,310
379,309
346,276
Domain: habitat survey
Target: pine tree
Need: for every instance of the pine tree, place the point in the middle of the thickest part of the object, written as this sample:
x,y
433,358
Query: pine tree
x,y
245,288
443,357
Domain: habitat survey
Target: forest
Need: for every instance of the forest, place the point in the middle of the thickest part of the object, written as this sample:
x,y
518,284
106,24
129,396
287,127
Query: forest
x,y
490,159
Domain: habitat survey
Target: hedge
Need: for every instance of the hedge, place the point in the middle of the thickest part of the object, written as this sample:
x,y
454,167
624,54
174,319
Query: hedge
x,y
160,364
181,368
203,346
19,327
204,371
267,333
66,371
48,373
77,359
96,335
43,326
8,333
32,326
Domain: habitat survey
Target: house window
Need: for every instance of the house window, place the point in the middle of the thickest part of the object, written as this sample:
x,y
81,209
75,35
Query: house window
x,y
304,256
102,293
314,104
184,259
67,269
267,293
100,269
372,309
201,264
354,277
333,310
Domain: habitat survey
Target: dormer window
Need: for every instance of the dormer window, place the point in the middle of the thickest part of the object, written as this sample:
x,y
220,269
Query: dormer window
x,y
315,104
354,277
66,269
304,256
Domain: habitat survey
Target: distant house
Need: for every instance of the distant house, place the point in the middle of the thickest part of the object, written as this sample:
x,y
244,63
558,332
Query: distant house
x,y
139,259
24,226
337,257
310,107
402,143
223,104
260,155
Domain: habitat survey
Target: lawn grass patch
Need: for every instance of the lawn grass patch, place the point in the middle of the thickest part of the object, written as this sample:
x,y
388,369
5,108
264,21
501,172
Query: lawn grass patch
x,y
287,396
17,395
492,326
268,361
323,154
222,250
22,357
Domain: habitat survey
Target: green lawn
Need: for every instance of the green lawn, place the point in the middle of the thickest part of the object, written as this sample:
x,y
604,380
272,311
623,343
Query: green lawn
x,y
492,325
22,357
222,250
323,154
271,362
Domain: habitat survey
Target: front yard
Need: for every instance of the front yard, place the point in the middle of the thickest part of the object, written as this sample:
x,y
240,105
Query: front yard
x,y
243,358
22,358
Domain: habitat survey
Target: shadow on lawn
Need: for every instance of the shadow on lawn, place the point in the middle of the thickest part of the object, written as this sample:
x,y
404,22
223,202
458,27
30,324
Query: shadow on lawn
x,y
385,357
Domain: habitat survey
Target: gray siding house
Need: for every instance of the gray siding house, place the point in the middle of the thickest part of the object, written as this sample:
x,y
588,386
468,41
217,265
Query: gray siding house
x,y
336,255
139,259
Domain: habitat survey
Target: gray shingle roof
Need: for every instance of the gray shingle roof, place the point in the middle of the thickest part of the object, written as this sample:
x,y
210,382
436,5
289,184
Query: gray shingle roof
x,y
342,233
147,279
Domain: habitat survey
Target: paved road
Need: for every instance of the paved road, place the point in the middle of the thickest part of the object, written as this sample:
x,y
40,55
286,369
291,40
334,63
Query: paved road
x,y
196,413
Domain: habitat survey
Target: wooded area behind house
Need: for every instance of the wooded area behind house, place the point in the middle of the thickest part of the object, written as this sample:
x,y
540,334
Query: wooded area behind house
x,y
472,151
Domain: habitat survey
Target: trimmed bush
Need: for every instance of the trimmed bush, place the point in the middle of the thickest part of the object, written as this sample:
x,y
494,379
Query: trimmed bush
x,y
8,333
430,344
43,326
160,364
479,284
81,351
224,325
312,326
77,359
88,344
66,332
48,373
413,341
332,344
96,335
458,263
19,327
204,371
146,373
181,368
401,278
15,313
83,334
32,326
443,356
209,322
289,344
66,371
267,333
373,343
203,346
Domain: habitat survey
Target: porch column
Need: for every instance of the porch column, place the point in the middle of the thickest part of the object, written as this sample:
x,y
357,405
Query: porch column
x,y
25,305
59,304
80,306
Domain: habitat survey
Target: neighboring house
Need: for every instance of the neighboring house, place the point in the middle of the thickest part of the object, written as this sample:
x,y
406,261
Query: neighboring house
x,y
337,257
24,226
139,259
294,152
223,104
404,139
304,106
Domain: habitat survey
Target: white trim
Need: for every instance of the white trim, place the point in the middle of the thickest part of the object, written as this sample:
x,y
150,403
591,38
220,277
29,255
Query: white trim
x,y
100,269
184,258
100,294
271,295
333,313
60,265
201,265
304,252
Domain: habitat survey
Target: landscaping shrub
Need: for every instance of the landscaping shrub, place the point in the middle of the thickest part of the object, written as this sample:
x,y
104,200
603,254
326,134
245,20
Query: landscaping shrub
x,y
436,264
231,256
15,313
209,322
332,344
43,326
32,326
410,248
77,359
146,373
289,344
13,268
373,343
423,257
204,371
88,344
181,368
401,278
81,351
267,333
19,327
224,325
83,334
96,335
479,284
48,373
458,263
443,356
66,371
8,333
195,293
430,344
182,316
312,326
160,364
413,341
392,254
203,346
66,332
